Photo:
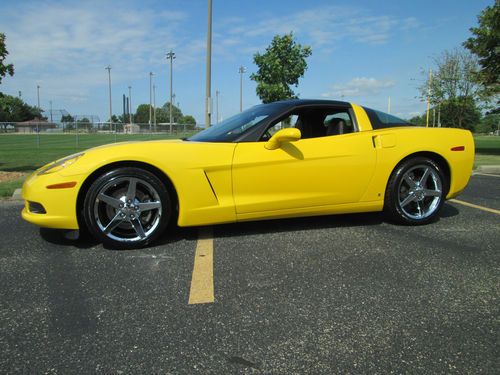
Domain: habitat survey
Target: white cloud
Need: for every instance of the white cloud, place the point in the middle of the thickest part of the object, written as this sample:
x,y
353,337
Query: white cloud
x,y
359,86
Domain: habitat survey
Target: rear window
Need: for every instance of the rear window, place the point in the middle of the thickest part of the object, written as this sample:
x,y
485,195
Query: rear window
x,y
382,120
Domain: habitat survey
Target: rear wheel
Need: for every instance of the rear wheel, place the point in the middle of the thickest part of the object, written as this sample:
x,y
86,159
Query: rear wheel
x,y
415,192
127,208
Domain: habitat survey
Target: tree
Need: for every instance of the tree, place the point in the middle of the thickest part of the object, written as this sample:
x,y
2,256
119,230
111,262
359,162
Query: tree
x,y
188,120
142,114
453,84
281,66
13,109
485,45
489,124
163,114
67,118
4,68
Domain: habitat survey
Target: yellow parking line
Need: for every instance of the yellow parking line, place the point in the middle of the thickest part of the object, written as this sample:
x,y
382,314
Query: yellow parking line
x,y
487,209
485,174
202,281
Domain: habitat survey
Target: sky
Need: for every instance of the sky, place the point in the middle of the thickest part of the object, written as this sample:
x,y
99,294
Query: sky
x,y
362,51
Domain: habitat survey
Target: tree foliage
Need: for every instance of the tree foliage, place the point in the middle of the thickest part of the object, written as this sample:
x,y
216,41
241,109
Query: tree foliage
x,y
489,124
453,84
4,68
13,109
280,67
485,44
162,115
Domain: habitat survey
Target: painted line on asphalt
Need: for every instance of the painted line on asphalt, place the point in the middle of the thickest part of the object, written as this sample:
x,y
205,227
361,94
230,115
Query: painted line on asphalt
x,y
487,209
202,280
486,174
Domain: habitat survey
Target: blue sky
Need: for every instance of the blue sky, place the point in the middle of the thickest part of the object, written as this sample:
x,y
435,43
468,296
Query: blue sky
x,y
363,51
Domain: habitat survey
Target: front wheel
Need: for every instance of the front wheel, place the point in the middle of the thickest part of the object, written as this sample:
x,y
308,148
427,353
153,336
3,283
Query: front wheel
x,y
415,192
127,208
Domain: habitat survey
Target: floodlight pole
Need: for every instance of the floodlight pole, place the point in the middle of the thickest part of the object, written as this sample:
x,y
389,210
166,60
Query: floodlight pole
x,y
154,107
40,110
429,98
171,56
150,98
209,67
130,103
217,92
108,68
241,71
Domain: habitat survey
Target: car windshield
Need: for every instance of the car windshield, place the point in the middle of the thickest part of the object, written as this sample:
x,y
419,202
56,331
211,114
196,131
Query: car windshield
x,y
234,127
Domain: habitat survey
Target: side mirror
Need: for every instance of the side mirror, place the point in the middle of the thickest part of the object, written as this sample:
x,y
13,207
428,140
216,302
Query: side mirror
x,y
283,136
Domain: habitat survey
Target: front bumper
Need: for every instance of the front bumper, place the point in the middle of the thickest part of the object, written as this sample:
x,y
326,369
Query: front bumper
x,y
59,204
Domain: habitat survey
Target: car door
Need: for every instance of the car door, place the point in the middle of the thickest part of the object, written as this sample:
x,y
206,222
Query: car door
x,y
315,171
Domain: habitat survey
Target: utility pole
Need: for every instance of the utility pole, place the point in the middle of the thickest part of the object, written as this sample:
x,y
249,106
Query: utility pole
x,y
389,105
217,92
428,98
171,56
108,68
209,67
150,99
130,103
241,71
50,102
439,114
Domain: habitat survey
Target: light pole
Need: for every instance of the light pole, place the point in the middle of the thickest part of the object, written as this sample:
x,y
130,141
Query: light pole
x,y
130,103
108,68
171,56
217,92
241,71
50,102
209,67
154,106
38,95
429,98
40,111
150,99
173,101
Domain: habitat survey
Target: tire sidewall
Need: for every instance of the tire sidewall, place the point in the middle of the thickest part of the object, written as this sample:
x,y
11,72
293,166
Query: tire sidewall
x,y
101,181
392,206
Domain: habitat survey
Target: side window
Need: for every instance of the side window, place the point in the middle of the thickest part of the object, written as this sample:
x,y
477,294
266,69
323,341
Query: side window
x,y
288,122
314,123
338,123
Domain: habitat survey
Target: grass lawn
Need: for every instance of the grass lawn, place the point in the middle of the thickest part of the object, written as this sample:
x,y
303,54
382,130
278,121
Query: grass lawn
x,y
19,152
22,153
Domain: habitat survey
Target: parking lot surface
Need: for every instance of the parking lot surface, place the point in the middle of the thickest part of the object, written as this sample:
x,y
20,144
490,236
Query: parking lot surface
x,y
333,294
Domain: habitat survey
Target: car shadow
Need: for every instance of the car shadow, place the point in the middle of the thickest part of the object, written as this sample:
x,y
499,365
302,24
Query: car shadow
x,y
174,234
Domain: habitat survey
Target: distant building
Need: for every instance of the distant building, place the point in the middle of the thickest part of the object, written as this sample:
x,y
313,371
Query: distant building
x,y
131,129
32,126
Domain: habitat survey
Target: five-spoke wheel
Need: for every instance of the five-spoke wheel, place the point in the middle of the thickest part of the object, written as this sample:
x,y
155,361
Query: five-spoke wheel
x,y
127,208
415,192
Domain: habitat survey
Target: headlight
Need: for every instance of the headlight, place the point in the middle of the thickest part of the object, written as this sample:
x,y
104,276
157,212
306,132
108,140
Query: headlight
x,y
60,164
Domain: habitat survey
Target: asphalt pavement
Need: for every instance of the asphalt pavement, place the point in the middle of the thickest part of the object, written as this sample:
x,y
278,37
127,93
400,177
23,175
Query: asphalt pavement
x,y
324,295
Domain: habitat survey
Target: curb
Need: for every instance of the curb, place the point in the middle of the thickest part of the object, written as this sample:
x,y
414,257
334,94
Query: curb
x,y
17,195
488,169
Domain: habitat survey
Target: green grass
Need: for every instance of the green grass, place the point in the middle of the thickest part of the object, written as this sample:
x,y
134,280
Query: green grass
x,y
487,144
24,153
8,188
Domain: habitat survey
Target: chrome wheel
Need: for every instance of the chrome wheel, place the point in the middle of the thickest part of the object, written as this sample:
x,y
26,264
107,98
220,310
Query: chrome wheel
x,y
420,192
127,209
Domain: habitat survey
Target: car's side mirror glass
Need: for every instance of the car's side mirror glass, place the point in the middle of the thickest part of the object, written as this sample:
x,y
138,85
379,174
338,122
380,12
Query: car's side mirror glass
x,y
283,136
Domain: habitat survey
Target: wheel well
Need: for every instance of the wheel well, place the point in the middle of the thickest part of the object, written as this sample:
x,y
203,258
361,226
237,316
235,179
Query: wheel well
x,y
443,164
99,172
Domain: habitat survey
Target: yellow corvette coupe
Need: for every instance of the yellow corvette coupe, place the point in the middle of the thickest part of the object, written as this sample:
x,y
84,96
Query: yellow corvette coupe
x,y
284,159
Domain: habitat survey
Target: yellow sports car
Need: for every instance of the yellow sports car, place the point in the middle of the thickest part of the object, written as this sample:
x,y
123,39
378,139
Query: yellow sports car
x,y
284,159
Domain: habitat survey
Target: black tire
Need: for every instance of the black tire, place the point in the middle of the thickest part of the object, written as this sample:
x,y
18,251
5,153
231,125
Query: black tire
x,y
127,208
415,192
